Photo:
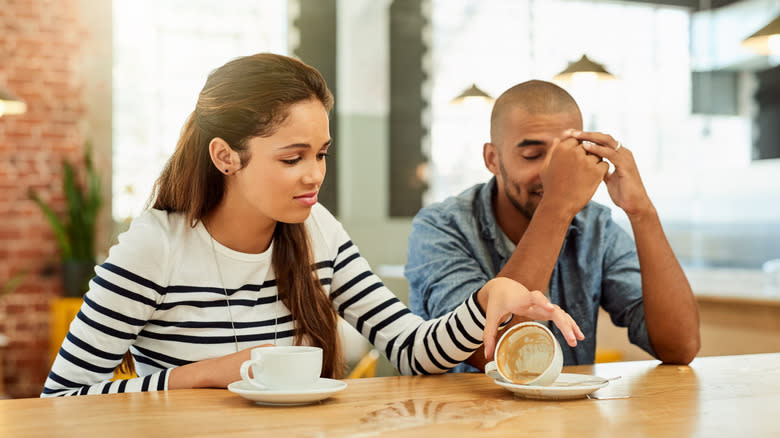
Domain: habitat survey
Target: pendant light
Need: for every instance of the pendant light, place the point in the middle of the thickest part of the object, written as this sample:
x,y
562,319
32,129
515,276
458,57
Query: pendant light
x,y
10,104
472,93
766,40
584,67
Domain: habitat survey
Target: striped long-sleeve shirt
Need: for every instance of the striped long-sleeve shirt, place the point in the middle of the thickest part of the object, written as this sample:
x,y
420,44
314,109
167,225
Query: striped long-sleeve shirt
x,y
159,294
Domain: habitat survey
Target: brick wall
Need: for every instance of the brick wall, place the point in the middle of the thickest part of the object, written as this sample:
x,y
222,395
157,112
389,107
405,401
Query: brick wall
x,y
42,47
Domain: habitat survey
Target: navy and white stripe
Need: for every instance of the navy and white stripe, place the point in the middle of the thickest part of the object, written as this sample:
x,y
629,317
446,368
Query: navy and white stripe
x,y
159,295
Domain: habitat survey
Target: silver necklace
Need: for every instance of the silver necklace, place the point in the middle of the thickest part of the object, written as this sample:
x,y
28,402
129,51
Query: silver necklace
x,y
227,297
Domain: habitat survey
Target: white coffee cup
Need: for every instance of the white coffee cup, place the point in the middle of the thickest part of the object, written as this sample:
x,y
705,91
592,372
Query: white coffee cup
x,y
527,354
283,367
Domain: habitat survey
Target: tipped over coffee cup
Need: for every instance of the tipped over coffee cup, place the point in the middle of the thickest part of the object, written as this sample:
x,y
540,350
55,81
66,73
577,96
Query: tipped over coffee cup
x,y
527,354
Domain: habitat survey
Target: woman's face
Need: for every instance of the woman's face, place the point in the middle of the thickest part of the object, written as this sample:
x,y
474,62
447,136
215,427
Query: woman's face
x,y
284,173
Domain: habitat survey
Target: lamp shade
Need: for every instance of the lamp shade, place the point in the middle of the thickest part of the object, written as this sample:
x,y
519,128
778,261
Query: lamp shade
x,y
472,93
585,67
766,40
10,104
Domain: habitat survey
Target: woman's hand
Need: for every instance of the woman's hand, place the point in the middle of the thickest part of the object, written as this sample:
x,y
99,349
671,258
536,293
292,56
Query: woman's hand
x,y
217,372
501,297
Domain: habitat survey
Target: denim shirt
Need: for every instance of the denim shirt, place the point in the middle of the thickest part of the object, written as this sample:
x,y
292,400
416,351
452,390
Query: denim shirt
x,y
456,246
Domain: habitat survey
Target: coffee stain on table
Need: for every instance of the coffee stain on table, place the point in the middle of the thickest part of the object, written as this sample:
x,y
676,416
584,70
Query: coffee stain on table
x,y
416,413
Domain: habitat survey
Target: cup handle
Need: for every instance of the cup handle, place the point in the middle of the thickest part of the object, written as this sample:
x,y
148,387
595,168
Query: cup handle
x,y
245,372
491,369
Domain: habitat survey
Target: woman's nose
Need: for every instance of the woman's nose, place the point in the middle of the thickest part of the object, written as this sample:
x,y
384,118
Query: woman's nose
x,y
316,174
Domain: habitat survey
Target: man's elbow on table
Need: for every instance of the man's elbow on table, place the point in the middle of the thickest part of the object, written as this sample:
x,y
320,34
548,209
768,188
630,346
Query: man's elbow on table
x,y
682,353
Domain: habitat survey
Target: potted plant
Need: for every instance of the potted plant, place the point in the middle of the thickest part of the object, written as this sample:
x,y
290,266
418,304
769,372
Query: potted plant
x,y
75,233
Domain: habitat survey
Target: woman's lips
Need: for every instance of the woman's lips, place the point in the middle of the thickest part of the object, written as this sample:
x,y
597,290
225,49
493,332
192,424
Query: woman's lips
x,y
307,199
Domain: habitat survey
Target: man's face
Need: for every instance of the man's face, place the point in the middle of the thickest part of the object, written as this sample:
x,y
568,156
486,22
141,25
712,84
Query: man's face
x,y
523,142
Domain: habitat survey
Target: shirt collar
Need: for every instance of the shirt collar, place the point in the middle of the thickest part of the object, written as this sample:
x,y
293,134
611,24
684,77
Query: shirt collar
x,y
488,225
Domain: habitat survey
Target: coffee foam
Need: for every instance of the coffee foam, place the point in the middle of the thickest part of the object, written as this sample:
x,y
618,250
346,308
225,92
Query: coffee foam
x,y
525,354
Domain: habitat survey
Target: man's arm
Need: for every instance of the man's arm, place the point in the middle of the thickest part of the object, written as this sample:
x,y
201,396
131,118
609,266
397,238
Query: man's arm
x,y
533,260
671,313
441,268
569,179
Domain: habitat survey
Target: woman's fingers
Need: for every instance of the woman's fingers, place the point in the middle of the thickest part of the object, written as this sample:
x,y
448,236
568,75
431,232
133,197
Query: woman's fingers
x,y
491,331
511,298
538,299
534,305
489,344
569,329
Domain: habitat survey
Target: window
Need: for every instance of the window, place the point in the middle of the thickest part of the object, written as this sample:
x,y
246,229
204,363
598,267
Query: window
x,y
696,167
503,42
163,52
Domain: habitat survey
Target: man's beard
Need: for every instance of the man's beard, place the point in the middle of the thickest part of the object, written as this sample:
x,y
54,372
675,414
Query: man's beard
x,y
526,210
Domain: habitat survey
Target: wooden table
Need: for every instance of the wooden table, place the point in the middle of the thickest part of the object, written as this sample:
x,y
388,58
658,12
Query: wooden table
x,y
715,396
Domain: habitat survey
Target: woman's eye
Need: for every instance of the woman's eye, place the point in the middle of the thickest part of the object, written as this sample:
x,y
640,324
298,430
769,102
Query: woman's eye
x,y
532,157
322,155
292,160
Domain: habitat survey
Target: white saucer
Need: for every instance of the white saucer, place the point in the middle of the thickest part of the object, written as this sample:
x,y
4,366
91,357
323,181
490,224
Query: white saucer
x,y
566,386
321,390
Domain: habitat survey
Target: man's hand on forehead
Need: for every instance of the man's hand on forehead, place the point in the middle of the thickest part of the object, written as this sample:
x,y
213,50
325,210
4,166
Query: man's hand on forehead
x,y
585,144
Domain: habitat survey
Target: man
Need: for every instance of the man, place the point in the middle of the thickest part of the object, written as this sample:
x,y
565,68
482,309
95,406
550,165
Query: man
x,y
534,222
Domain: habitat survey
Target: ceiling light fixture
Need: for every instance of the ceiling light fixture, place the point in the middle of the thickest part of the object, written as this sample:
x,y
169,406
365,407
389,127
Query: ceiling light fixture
x,y
10,104
584,67
766,40
472,93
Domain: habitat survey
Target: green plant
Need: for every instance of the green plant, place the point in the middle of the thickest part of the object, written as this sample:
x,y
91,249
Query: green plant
x,y
75,233
12,284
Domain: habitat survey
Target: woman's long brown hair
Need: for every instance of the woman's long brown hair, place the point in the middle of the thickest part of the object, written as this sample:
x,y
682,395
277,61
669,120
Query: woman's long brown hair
x,y
250,97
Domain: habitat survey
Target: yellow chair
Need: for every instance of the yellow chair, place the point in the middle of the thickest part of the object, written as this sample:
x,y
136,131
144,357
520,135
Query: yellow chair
x,y
604,355
366,366
61,314
119,375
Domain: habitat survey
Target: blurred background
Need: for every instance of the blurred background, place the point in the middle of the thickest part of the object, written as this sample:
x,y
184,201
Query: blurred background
x,y
698,106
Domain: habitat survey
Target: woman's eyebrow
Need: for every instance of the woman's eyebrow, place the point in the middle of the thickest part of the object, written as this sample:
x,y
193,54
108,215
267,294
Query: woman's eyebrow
x,y
302,145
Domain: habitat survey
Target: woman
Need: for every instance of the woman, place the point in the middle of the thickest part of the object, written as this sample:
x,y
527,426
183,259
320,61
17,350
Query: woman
x,y
236,253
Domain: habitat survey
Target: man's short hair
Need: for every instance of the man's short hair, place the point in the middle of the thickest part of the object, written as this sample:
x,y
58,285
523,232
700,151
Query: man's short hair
x,y
534,97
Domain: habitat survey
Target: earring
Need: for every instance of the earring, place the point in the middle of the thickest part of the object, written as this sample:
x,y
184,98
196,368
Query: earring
x,y
226,171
